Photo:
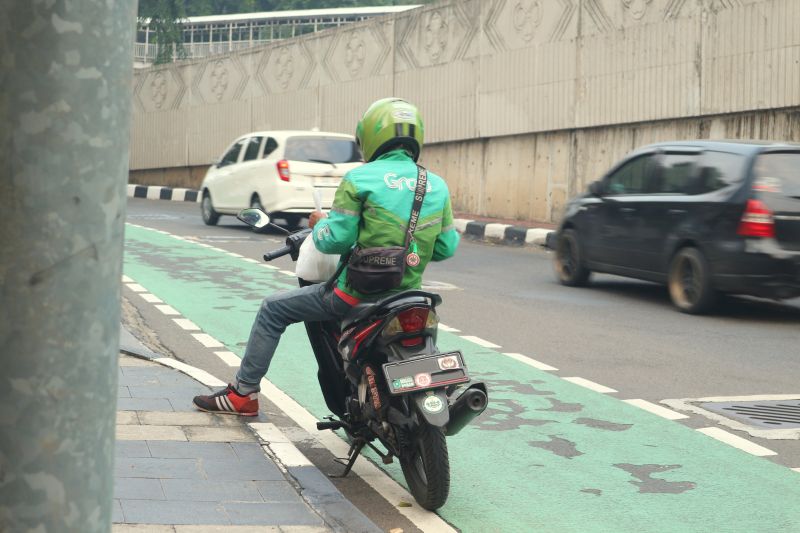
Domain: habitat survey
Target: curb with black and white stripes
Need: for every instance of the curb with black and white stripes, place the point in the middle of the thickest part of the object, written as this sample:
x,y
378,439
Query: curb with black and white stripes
x,y
486,231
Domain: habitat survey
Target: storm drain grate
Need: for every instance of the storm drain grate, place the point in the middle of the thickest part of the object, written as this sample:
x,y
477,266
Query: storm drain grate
x,y
777,414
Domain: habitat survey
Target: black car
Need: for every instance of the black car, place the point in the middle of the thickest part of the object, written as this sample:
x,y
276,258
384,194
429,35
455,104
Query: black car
x,y
702,217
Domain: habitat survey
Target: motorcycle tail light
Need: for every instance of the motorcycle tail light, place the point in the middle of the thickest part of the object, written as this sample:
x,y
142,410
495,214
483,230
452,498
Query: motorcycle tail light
x,y
283,170
413,341
412,320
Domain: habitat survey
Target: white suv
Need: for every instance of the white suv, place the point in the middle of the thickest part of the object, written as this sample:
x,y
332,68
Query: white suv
x,y
277,171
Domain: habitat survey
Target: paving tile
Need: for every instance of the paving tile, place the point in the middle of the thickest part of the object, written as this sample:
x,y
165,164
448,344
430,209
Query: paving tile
x,y
141,528
150,433
160,391
131,448
192,450
116,512
123,392
277,491
317,487
196,418
224,434
173,512
127,417
144,404
132,488
157,468
250,451
228,529
262,470
271,514
128,361
207,490
127,378
184,403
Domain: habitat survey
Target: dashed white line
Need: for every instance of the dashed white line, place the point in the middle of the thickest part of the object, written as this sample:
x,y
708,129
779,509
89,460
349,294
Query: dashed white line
x,y
229,358
480,342
135,287
207,340
531,362
167,309
449,329
151,298
591,385
656,409
736,441
186,324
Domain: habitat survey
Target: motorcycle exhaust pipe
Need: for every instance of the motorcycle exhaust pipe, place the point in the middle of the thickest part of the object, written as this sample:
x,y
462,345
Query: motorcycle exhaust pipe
x,y
470,404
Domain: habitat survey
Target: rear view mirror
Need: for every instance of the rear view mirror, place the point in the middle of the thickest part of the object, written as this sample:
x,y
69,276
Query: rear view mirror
x,y
253,217
596,188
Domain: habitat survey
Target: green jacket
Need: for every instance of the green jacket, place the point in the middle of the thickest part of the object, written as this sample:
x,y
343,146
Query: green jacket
x,y
372,207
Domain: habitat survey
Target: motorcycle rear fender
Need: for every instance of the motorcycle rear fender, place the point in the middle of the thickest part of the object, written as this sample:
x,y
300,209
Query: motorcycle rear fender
x,y
438,418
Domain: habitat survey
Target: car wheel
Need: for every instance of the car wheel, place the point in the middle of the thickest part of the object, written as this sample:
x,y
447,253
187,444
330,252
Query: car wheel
x,y
690,282
569,263
210,216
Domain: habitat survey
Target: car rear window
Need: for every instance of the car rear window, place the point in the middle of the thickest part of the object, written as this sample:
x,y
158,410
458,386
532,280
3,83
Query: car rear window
x,y
322,150
778,172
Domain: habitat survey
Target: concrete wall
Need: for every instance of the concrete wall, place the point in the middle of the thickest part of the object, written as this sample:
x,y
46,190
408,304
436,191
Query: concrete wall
x,y
524,100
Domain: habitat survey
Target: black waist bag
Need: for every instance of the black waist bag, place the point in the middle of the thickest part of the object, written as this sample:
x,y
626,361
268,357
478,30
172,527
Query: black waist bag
x,y
381,269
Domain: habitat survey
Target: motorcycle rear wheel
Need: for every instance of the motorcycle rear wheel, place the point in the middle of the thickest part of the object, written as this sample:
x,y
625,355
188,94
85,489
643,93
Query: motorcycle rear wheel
x,y
426,467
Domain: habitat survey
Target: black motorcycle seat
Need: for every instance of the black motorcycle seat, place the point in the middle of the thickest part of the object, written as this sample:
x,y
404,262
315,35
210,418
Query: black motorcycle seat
x,y
361,311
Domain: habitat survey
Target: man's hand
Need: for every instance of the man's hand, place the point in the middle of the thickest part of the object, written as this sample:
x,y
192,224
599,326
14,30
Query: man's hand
x,y
315,217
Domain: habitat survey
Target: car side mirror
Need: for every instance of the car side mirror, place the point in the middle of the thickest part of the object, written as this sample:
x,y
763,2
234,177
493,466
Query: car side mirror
x,y
596,188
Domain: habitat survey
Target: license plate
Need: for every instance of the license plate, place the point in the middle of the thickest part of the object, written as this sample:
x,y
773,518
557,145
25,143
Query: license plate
x,y
425,372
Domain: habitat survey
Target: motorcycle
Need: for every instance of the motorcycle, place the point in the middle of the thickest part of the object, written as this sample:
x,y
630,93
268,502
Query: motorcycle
x,y
384,380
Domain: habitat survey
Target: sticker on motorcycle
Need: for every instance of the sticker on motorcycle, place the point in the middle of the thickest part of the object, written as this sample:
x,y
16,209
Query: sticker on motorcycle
x,y
433,404
448,363
403,383
423,379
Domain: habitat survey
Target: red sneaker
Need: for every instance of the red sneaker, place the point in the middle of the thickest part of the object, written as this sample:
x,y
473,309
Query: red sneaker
x,y
229,402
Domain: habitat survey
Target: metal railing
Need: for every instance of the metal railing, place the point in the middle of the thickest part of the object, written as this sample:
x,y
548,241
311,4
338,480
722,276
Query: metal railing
x,y
147,53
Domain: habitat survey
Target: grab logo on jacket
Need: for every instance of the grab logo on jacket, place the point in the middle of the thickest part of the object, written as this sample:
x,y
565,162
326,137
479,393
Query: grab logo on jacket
x,y
394,182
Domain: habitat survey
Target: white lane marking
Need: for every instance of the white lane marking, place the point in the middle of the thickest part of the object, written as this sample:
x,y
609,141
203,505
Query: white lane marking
x,y
135,287
365,469
247,259
151,298
233,254
796,469
218,249
269,432
531,362
656,409
591,385
207,340
271,267
229,358
736,441
200,375
480,342
126,279
167,309
287,272
448,328
186,324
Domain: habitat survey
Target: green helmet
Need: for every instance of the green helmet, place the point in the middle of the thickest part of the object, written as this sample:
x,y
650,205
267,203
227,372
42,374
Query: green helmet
x,y
387,124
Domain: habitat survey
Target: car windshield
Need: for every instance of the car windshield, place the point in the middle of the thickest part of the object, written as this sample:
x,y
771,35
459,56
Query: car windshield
x,y
322,150
778,172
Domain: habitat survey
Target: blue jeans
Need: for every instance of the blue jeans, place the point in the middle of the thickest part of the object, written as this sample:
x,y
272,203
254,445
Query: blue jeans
x,y
312,303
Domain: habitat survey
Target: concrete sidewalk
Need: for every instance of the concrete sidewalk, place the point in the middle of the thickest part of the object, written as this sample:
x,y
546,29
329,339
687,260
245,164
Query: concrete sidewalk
x,y
180,470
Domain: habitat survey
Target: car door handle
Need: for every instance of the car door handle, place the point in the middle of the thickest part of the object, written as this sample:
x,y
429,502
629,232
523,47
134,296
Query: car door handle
x,y
676,212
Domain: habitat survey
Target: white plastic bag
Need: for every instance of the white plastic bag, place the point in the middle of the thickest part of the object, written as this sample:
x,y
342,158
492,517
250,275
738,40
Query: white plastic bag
x,y
312,265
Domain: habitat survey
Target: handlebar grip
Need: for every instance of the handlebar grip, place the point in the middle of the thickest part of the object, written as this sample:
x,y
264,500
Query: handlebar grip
x,y
274,254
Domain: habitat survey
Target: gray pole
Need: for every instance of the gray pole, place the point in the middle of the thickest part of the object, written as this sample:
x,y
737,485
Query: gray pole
x,y
65,97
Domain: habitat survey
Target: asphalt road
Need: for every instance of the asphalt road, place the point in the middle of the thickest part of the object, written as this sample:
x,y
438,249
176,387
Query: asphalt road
x,y
620,333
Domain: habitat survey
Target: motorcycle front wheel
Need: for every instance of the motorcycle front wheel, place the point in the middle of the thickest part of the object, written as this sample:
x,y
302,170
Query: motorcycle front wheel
x,y
426,467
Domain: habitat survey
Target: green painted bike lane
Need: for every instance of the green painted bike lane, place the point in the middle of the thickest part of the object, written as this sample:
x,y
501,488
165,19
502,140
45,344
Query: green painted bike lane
x,y
547,455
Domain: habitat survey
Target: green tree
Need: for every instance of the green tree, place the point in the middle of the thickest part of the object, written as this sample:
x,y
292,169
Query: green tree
x,y
166,18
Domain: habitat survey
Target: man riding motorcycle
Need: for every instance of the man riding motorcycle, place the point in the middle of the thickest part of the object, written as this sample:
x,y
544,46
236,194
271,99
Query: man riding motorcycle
x,y
370,209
